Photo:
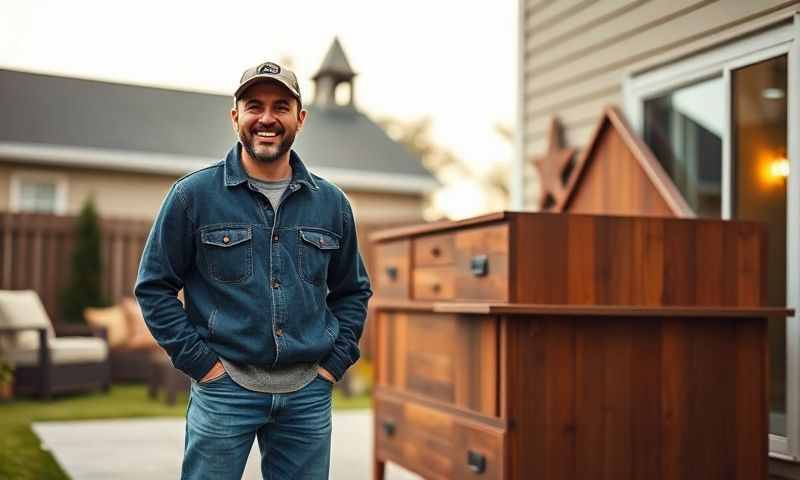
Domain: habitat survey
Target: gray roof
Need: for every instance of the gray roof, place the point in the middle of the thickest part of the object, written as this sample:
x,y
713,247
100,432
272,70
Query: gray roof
x,y
61,111
336,63
346,137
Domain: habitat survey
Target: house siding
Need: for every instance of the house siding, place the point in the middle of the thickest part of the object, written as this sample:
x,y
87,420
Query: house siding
x,y
139,195
576,55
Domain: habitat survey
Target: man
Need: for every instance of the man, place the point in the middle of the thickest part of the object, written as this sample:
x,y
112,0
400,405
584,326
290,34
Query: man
x,y
275,293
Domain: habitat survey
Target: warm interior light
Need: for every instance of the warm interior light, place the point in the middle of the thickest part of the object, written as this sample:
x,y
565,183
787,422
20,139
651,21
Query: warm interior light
x,y
773,93
779,168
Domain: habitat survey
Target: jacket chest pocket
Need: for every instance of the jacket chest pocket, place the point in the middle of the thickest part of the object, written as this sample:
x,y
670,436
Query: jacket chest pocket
x,y
228,251
316,248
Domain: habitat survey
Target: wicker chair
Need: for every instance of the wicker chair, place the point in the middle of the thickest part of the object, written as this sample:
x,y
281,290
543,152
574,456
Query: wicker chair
x,y
44,363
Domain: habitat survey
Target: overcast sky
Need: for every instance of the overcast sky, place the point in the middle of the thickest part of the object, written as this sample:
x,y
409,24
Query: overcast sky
x,y
452,60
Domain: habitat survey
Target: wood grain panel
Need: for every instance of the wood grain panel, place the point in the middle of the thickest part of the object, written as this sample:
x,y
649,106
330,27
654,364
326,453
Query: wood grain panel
x,y
541,272
434,250
418,437
384,343
752,404
448,358
393,269
581,269
435,283
653,398
483,441
493,243
614,184
600,260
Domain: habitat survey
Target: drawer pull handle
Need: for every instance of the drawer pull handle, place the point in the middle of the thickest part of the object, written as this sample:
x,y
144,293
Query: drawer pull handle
x,y
435,252
389,428
436,288
391,272
479,265
476,462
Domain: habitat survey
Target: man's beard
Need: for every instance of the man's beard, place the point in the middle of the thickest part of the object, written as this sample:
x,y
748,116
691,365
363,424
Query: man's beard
x,y
283,147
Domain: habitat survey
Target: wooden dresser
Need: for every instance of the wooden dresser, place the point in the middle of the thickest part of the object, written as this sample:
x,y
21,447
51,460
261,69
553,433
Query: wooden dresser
x,y
546,346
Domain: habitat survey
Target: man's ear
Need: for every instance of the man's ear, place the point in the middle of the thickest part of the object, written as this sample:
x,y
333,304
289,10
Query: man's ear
x,y
301,118
235,118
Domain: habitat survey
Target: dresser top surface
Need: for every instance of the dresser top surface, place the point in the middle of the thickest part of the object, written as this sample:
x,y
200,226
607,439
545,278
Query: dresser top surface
x,y
448,225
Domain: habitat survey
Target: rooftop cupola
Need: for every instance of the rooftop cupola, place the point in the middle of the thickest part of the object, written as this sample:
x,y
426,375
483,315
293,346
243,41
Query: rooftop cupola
x,y
333,82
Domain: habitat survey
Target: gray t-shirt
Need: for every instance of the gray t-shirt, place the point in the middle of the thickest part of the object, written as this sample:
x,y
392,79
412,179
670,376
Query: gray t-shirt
x,y
271,380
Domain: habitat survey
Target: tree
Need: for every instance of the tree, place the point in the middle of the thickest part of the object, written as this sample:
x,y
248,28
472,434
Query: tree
x,y
84,287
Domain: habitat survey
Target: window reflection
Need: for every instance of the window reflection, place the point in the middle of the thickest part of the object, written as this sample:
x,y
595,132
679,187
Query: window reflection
x,y
759,114
684,129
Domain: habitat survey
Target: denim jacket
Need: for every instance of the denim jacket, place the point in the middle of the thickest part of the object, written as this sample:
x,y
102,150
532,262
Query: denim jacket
x,y
261,287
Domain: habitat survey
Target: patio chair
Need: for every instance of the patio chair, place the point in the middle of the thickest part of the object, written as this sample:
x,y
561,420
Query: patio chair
x,y
133,350
44,363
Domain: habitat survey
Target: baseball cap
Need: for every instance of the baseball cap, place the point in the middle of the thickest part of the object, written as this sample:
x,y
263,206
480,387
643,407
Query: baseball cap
x,y
269,71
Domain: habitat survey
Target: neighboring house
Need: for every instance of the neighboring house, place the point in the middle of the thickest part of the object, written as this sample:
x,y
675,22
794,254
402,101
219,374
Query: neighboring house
x,y
63,139
711,88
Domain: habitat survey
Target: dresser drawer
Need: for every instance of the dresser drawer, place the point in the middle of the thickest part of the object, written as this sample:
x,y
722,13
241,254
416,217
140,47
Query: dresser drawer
x,y
437,444
393,267
472,264
435,283
478,452
432,250
418,438
447,358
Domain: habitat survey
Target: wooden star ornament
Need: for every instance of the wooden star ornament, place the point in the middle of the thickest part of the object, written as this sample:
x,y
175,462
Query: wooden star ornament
x,y
554,169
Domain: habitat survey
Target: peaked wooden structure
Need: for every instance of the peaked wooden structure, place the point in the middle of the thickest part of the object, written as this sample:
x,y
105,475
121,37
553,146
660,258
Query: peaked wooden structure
x,y
618,174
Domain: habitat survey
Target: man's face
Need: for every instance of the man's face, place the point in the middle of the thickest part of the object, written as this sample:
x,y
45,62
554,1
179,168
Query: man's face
x,y
266,119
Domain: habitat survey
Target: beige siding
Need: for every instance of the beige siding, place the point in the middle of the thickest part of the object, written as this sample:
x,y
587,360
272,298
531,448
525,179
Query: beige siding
x,y
139,196
386,209
578,53
117,194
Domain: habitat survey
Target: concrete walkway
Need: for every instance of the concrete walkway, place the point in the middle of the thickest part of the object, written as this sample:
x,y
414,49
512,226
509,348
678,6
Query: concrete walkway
x,y
153,448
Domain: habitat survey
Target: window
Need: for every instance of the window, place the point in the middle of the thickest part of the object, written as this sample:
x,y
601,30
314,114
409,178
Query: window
x,y
39,193
759,177
721,126
684,129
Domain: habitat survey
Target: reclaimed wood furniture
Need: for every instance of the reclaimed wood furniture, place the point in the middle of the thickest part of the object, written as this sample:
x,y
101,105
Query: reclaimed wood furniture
x,y
526,346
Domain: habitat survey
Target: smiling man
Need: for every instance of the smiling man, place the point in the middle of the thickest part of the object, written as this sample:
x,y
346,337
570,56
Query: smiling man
x,y
275,293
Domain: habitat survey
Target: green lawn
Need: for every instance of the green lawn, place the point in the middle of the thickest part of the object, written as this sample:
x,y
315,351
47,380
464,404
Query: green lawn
x,y
21,456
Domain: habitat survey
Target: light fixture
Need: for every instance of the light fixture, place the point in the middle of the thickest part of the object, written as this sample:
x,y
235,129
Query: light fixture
x,y
779,168
773,93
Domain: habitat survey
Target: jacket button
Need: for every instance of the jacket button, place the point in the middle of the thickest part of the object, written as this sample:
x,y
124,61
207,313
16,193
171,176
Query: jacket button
x,y
276,284
279,332
275,238
226,239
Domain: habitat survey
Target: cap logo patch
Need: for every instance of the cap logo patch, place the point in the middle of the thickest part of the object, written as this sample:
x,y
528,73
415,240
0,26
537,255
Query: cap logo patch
x,y
270,68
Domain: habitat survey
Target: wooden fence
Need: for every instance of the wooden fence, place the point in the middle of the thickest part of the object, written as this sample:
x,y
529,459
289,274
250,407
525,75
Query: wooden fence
x,y
37,249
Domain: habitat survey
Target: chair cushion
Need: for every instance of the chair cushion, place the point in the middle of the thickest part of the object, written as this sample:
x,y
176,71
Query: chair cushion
x,y
113,319
139,335
23,308
63,350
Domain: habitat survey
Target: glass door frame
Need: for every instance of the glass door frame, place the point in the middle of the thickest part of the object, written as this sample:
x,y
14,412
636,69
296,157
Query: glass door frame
x,y
783,39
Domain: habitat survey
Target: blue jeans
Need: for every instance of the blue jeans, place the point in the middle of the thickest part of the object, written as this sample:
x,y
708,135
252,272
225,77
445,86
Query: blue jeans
x,y
293,431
